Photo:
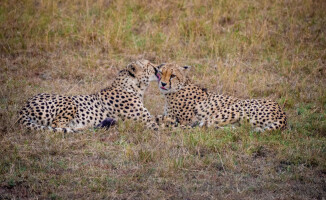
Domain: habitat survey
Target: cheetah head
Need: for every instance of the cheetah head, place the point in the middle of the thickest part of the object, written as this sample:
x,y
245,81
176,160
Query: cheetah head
x,y
171,77
142,72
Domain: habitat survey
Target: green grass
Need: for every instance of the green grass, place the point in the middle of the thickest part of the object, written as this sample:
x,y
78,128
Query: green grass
x,y
248,49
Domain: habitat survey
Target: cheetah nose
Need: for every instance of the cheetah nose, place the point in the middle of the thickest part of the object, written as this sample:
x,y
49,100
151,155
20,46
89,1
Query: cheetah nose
x,y
163,84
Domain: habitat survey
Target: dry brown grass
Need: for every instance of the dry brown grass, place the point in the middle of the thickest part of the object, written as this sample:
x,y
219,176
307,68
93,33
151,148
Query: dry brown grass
x,y
249,49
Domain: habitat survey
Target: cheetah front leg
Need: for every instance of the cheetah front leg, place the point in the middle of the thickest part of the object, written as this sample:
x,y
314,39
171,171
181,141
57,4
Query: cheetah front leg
x,y
143,116
165,120
148,120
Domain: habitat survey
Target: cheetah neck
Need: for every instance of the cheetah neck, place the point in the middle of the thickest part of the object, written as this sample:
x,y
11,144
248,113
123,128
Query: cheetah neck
x,y
126,83
173,95
187,91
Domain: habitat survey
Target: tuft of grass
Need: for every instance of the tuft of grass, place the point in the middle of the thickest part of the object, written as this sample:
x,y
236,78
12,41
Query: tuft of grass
x,y
248,49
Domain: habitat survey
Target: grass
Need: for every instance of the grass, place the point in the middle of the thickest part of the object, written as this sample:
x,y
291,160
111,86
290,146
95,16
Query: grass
x,y
248,49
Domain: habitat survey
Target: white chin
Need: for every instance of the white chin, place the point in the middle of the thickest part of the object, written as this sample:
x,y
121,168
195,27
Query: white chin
x,y
164,91
153,78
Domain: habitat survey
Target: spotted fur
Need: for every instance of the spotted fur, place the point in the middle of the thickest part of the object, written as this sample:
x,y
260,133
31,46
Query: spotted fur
x,y
122,100
189,105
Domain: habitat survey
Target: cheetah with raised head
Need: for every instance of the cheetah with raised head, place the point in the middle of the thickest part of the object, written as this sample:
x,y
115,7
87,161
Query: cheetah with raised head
x,y
189,105
122,100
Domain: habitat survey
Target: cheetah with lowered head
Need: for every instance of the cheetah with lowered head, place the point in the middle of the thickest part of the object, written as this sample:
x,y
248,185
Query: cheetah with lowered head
x,y
122,100
188,104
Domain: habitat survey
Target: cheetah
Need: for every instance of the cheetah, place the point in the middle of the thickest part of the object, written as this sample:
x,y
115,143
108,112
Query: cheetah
x,y
189,105
121,100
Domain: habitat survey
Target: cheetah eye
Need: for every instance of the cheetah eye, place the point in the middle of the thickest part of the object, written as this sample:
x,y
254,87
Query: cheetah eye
x,y
172,75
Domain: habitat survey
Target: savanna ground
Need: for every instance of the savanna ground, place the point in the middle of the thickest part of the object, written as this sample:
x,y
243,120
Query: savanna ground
x,y
249,49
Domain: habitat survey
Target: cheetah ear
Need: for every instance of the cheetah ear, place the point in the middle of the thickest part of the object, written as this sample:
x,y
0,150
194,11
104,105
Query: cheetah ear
x,y
160,66
186,68
155,70
132,69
